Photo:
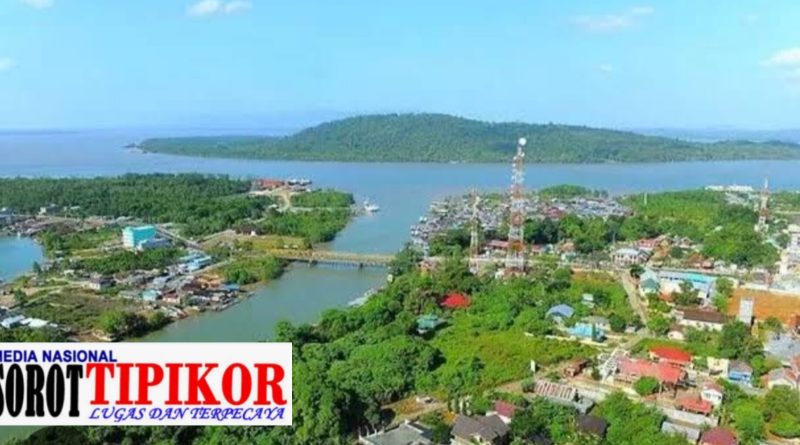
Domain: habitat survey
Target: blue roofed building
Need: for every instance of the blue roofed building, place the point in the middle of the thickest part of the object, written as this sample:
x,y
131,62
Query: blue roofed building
x,y
133,237
560,312
587,331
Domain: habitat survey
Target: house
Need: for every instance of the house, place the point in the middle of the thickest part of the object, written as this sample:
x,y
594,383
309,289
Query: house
x,y
695,405
783,347
739,371
428,322
649,286
485,430
151,295
782,377
718,436
690,433
631,370
575,367
12,321
406,433
563,395
587,331
627,256
504,410
99,282
455,300
712,393
702,319
676,333
592,425
267,184
718,366
560,312
672,356
704,285
587,300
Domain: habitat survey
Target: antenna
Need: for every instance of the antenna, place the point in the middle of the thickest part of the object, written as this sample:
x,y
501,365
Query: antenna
x,y
515,256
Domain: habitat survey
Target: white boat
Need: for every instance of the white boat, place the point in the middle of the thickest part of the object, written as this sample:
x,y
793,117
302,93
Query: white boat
x,y
370,207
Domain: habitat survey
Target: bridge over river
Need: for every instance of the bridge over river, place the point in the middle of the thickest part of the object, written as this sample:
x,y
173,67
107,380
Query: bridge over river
x,y
351,259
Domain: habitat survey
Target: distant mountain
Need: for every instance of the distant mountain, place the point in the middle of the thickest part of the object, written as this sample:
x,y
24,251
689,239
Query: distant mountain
x,y
443,138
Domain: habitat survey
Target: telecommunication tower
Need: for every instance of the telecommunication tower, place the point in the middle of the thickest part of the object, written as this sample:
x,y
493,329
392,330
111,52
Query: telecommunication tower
x,y
763,208
474,238
515,256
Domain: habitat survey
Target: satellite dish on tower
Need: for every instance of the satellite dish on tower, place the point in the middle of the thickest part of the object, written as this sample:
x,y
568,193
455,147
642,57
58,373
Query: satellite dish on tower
x,y
522,142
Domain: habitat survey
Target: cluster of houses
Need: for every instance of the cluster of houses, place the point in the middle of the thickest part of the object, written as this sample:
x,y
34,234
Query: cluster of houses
x,y
10,320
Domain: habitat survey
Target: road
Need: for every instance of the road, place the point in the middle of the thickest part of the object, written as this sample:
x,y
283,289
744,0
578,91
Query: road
x,y
633,295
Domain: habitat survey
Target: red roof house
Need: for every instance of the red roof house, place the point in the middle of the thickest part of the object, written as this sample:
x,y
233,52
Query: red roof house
x,y
505,410
718,436
455,300
696,405
631,370
671,355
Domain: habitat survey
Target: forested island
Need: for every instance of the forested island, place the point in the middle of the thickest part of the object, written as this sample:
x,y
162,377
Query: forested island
x,y
444,138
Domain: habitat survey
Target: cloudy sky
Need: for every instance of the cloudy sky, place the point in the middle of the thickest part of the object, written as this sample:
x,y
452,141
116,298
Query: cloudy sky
x,y
676,63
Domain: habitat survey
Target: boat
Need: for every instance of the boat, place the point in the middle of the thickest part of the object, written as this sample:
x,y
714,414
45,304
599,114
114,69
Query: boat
x,y
370,207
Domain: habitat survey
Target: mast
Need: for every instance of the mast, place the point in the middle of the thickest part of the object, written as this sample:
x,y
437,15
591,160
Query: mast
x,y
763,208
515,256
474,238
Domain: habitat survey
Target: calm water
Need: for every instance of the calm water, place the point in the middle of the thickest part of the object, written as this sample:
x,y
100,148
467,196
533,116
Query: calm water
x,y
402,190
17,256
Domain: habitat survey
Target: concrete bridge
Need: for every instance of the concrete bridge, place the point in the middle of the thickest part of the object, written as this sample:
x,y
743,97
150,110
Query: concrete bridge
x,y
332,257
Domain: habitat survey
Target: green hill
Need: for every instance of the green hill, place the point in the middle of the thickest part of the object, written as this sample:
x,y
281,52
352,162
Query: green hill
x,y
443,138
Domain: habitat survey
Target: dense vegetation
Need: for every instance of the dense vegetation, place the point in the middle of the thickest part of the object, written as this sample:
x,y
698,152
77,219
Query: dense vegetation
x,y
202,204
725,230
323,198
253,270
319,225
65,240
442,138
126,261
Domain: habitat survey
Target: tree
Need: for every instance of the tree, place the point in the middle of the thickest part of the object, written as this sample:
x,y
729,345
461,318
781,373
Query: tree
x,y
646,386
37,268
785,425
636,271
736,342
748,420
617,323
687,295
724,287
658,324
773,325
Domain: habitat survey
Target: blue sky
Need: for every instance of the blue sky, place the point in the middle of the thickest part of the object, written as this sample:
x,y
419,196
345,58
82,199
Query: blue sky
x,y
677,63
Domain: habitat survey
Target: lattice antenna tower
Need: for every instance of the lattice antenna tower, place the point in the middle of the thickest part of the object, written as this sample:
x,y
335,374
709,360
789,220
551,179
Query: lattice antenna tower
x,y
515,256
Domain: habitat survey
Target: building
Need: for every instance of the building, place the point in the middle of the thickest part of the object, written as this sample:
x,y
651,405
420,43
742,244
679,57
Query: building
x,y
628,256
12,321
740,372
99,282
782,377
455,300
746,309
268,184
671,356
631,370
154,243
690,433
702,319
560,312
718,436
575,366
404,434
712,393
676,333
482,430
504,410
151,295
587,331
132,237
670,282
696,405
428,322
563,395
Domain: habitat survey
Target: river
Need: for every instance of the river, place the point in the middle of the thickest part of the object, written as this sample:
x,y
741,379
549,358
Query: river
x,y
402,190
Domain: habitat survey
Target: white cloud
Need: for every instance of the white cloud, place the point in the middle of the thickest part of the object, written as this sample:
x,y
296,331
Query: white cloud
x,y
6,63
785,58
612,22
206,8
237,6
606,68
39,4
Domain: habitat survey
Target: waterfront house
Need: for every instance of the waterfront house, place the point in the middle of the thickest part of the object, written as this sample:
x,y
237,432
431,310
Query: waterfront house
x,y
481,430
718,436
740,372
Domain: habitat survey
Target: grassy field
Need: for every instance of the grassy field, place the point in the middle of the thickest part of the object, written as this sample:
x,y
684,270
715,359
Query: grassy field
x,y
74,308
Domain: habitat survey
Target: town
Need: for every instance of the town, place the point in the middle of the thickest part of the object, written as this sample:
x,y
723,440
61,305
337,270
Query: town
x,y
111,277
